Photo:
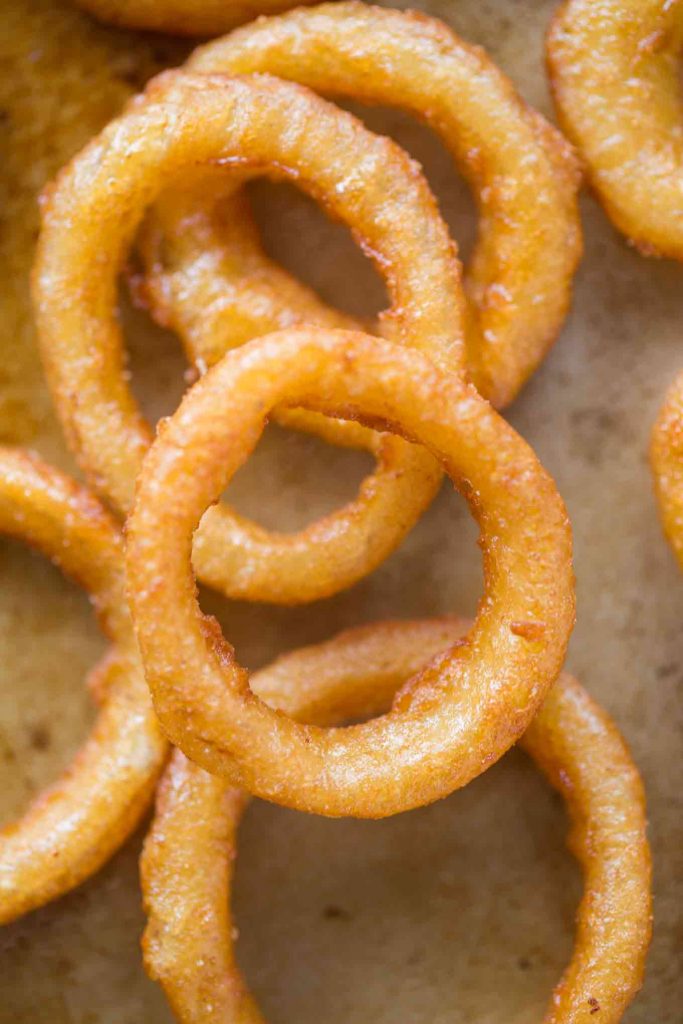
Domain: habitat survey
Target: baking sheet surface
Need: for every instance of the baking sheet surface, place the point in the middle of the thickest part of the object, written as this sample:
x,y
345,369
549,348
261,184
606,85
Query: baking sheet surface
x,y
460,912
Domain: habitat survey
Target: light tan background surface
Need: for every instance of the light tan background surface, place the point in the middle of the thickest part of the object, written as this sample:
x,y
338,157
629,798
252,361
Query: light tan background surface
x,y
460,912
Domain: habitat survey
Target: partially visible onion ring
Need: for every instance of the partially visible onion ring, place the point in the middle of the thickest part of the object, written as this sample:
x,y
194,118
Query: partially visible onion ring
x,y
182,17
461,713
615,74
188,858
250,125
209,278
666,456
75,825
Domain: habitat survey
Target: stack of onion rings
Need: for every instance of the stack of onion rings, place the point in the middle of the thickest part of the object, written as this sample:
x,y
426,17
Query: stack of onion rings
x,y
614,70
73,828
208,278
182,151
187,864
450,722
183,123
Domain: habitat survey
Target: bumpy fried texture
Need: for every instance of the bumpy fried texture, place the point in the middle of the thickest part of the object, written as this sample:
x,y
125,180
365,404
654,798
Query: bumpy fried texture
x,y
449,723
614,71
187,863
72,828
182,123
182,17
666,457
209,278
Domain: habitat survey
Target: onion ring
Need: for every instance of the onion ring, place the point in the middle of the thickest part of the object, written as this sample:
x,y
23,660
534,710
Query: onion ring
x,y
182,17
184,122
454,719
188,857
666,457
614,71
75,825
209,279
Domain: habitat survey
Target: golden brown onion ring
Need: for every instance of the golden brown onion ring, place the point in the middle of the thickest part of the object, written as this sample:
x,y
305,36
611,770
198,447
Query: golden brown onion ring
x,y
614,70
90,215
188,858
666,457
460,714
73,827
182,17
209,279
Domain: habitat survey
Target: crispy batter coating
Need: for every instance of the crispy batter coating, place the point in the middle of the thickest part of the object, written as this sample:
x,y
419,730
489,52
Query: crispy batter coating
x,y
209,278
450,722
73,827
614,71
184,122
188,858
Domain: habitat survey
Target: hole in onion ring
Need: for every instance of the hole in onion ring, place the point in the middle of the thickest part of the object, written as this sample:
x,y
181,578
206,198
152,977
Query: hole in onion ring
x,y
325,256
437,585
274,487
423,888
158,369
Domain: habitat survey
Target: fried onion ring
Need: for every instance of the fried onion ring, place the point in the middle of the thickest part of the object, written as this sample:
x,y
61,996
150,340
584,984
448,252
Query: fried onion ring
x,y
183,123
666,457
73,827
614,71
451,721
188,857
209,278
182,17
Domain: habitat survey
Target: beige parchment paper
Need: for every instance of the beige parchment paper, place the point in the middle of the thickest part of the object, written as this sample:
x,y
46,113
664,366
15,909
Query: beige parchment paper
x,y
460,913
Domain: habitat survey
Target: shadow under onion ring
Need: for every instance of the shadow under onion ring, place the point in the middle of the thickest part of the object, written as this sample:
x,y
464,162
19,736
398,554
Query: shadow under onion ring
x,y
75,825
454,719
188,858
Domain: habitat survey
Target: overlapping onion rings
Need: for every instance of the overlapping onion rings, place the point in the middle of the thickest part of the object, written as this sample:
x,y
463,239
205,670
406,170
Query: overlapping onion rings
x,y
182,17
451,721
72,828
187,863
247,125
615,73
666,457
209,279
